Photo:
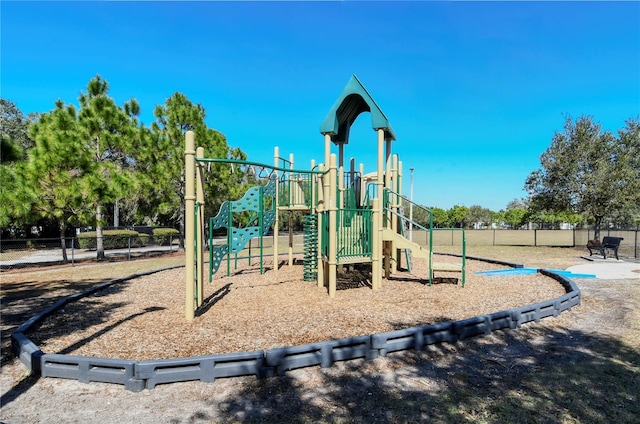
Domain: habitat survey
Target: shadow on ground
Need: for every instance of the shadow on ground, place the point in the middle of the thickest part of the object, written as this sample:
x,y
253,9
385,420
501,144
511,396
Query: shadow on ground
x,y
19,302
22,301
533,375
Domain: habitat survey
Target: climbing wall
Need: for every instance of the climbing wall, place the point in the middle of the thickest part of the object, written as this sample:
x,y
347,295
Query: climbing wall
x,y
237,238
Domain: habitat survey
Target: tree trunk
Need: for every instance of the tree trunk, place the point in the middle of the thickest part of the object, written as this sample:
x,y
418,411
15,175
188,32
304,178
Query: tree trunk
x,y
63,245
596,233
99,235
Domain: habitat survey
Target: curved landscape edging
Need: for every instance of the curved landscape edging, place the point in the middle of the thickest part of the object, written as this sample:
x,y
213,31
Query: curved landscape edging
x,y
138,375
489,261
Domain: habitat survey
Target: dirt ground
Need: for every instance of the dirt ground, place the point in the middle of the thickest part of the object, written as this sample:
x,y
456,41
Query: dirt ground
x,y
546,372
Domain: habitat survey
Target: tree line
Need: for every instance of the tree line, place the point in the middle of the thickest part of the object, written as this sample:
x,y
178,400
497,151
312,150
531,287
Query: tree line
x,y
587,176
517,215
83,165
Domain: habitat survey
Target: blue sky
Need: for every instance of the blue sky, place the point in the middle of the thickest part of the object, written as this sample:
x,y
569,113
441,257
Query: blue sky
x,y
473,90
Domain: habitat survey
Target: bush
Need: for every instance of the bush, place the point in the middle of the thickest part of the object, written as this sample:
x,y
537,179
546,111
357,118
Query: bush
x,y
163,236
113,239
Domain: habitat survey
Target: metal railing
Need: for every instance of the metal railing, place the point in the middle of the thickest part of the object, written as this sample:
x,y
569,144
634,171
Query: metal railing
x,y
296,184
392,211
296,190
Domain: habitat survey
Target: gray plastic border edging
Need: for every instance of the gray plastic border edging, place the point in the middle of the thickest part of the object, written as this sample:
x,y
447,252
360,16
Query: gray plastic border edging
x,y
138,375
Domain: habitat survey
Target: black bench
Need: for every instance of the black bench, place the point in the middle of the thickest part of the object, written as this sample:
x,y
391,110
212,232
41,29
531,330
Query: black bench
x,y
608,243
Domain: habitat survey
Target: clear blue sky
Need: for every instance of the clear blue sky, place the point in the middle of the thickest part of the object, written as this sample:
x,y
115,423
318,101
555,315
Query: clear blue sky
x,y
473,90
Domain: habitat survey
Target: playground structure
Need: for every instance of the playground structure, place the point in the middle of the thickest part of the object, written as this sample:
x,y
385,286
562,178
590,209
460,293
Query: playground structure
x,y
350,217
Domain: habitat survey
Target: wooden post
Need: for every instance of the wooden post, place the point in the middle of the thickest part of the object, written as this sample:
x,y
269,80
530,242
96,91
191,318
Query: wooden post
x,y
189,200
377,242
389,260
333,248
327,149
376,266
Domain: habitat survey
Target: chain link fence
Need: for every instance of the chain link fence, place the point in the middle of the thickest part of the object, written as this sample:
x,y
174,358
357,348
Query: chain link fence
x,y
629,248
26,252
17,253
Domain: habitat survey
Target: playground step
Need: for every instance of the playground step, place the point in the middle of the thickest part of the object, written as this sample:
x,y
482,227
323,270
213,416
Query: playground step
x,y
446,267
403,243
418,251
295,208
358,259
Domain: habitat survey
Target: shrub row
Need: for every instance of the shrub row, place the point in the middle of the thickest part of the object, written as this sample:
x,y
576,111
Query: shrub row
x,y
118,239
164,236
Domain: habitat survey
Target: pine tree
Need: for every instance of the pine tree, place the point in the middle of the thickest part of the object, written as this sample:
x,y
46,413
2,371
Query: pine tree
x,y
107,132
161,166
50,181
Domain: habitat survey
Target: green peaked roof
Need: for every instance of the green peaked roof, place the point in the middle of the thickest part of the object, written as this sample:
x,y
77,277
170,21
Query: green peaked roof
x,y
354,100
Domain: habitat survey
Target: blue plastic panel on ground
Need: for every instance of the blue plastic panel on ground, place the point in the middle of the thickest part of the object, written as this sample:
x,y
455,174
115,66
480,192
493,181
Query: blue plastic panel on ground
x,y
528,271
507,272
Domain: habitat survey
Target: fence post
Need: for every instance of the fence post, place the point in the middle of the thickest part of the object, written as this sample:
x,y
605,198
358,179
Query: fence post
x,y
635,246
129,243
73,249
574,237
535,237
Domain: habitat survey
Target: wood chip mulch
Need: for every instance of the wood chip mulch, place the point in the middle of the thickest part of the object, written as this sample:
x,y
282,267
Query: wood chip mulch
x,y
144,318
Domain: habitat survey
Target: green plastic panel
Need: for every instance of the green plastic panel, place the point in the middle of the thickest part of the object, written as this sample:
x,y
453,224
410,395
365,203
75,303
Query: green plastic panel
x,y
216,256
249,202
354,100
221,220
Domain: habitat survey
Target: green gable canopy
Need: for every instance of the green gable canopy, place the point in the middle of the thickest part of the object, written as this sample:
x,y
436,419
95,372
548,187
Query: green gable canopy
x,y
354,100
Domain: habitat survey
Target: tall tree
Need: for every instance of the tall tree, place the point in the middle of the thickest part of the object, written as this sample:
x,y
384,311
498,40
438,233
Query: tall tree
x,y
14,125
163,166
108,132
586,169
515,217
629,158
10,151
516,214
51,180
440,217
458,216
14,141
476,214
420,215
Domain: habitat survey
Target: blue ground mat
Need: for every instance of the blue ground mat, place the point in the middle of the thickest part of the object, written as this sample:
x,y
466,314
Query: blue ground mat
x,y
527,271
